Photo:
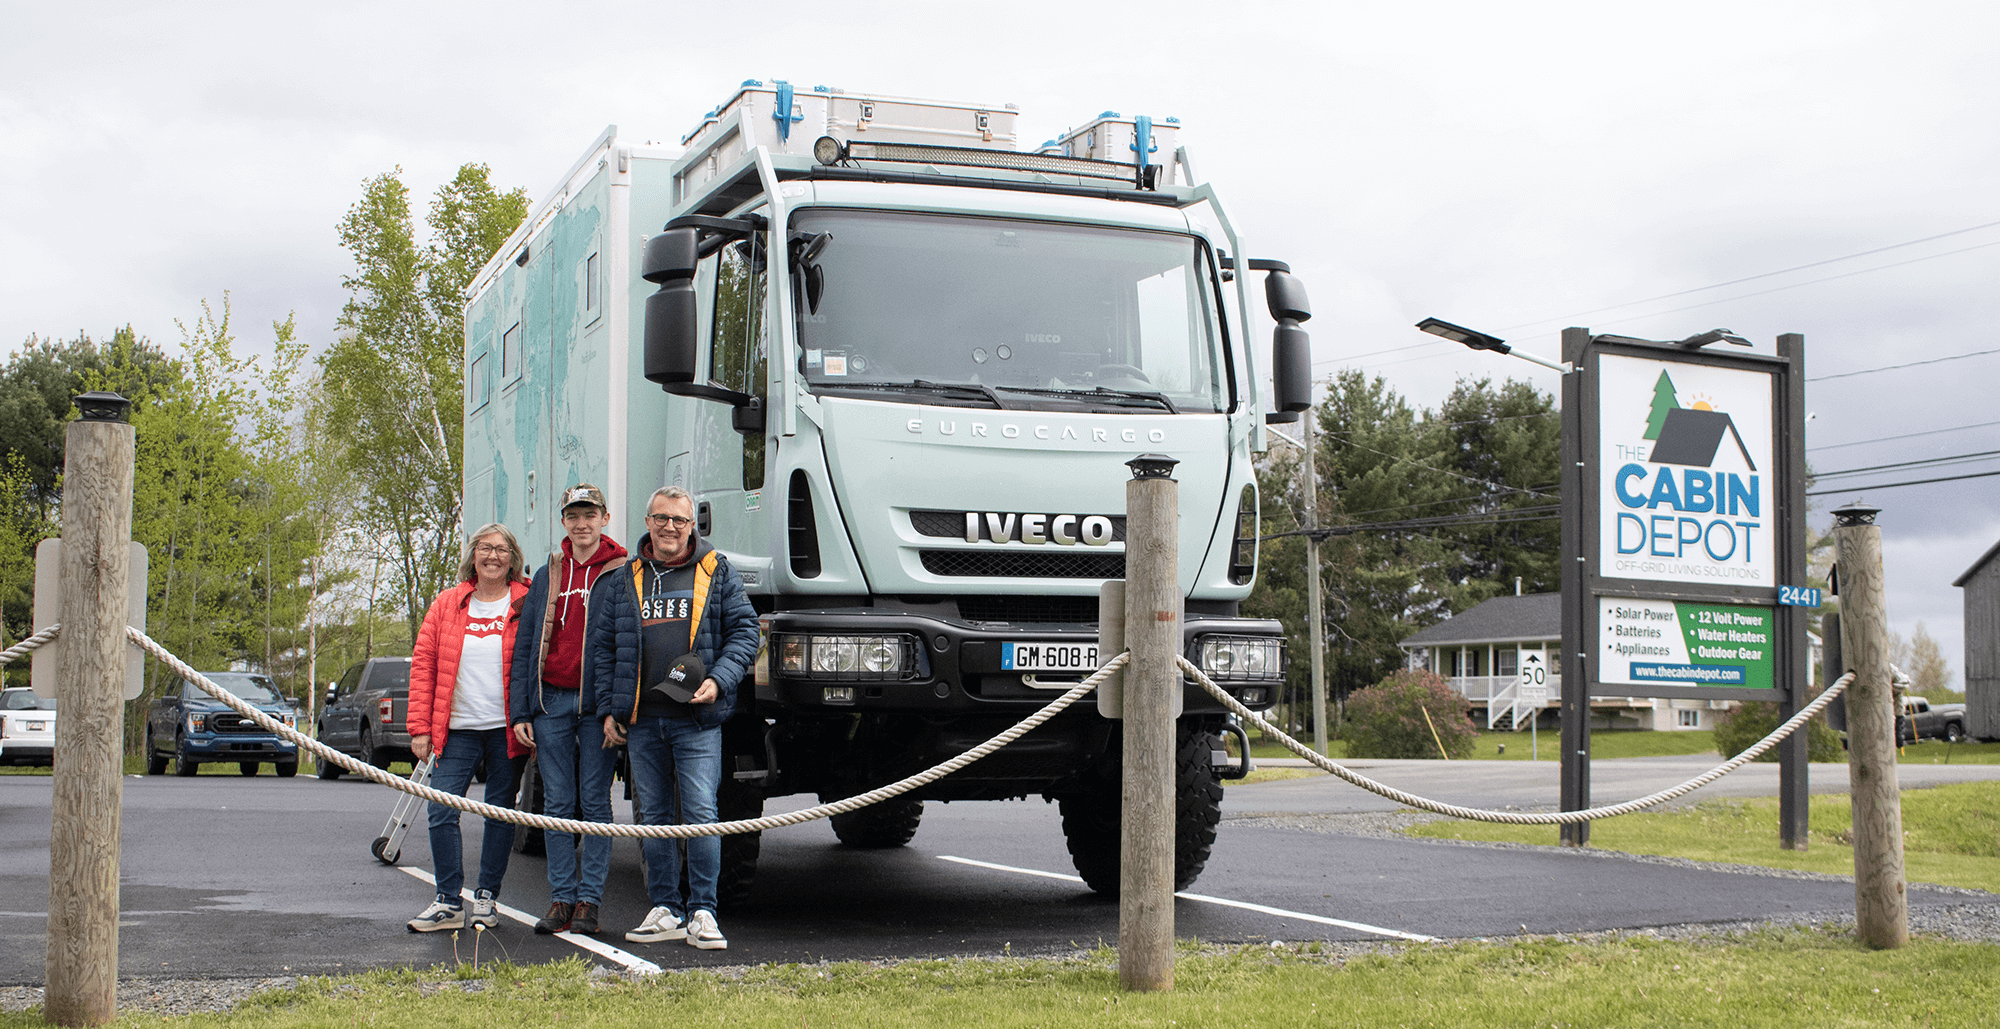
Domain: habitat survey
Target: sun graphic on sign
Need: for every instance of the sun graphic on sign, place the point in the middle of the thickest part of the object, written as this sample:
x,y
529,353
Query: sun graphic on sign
x,y
1702,402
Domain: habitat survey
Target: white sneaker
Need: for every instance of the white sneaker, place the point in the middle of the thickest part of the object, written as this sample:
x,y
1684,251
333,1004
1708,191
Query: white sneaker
x,y
483,912
661,924
702,932
439,915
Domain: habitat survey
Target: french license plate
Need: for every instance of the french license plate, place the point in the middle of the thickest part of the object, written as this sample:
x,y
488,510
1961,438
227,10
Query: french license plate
x,y
1048,657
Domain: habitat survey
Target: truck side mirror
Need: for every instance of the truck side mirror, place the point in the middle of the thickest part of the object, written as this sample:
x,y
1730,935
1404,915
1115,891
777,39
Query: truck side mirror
x,y
670,261
1291,347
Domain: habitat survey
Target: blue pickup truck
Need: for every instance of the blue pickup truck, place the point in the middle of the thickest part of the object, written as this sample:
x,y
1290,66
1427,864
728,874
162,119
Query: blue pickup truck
x,y
189,726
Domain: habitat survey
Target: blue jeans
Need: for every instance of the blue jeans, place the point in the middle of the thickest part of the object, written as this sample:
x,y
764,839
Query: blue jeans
x,y
453,774
676,768
576,783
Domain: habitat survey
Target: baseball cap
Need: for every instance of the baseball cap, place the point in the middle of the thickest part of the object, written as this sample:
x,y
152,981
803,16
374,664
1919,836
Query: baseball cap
x,y
584,493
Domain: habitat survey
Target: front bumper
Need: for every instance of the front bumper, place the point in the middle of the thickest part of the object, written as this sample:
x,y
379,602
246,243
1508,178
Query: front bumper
x,y
958,664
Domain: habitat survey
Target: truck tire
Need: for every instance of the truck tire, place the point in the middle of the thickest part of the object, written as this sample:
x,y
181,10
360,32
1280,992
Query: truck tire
x,y
184,765
1954,732
1090,819
247,767
156,762
287,769
890,823
327,769
736,802
369,753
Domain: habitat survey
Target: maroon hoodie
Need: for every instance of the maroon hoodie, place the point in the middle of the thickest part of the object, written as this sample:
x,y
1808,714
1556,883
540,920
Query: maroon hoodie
x,y
568,603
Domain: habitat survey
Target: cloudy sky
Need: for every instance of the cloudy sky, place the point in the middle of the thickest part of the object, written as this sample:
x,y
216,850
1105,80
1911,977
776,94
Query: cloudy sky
x,y
1514,167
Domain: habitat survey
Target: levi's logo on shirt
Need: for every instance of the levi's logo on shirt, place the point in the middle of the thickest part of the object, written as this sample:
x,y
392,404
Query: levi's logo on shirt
x,y
491,628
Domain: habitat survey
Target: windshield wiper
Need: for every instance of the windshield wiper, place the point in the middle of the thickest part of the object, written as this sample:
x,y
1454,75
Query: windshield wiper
x,y
954,389
1105,394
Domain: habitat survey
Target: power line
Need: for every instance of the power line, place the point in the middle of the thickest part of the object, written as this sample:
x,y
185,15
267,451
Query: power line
x,y
1910,364
1520,514
1907,435
1766,275
1908,464
1893,485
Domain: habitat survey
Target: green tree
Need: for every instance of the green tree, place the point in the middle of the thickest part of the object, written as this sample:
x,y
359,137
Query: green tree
x,y
1409,714
393,382
1506,446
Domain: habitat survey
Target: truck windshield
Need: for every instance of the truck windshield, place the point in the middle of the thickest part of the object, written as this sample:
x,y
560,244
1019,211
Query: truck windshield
x,y
980,312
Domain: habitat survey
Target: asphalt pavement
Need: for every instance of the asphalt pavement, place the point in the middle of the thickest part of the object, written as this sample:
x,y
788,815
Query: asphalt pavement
x,y
225,877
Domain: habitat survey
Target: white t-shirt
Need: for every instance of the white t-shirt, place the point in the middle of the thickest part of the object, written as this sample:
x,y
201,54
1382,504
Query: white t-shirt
x,y
479,700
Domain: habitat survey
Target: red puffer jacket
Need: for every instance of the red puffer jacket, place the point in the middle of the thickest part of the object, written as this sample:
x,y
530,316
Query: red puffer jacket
x,y
434,665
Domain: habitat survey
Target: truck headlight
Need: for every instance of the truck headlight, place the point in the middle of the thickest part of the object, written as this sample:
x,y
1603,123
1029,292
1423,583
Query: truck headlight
x,y
846,657
197,723
1241,658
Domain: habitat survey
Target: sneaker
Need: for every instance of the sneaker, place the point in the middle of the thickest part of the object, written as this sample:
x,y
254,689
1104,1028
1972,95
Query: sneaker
x,y
557,920
661,924
483,912
439,915
584,921
702,932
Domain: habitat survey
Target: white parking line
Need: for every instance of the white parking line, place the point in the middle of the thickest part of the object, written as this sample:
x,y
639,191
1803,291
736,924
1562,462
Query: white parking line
x,y
1223,901
631,961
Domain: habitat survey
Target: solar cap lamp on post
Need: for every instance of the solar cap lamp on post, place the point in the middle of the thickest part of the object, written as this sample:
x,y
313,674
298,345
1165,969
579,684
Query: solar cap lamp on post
x,y
1476,340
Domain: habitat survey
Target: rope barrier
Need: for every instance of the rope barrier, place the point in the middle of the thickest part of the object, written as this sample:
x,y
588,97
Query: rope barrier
x,y
1515,817
29,645
322,752
381,777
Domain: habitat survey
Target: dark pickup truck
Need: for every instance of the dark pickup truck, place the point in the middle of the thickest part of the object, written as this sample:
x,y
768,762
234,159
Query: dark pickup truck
x,y
192,727
366,714
1923,720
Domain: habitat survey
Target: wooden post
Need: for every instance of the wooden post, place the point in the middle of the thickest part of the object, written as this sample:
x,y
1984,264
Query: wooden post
x,y
1881,907
1573,661
1152,701
82,969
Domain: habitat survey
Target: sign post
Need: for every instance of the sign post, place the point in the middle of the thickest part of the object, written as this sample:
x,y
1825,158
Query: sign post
x,y
1683,522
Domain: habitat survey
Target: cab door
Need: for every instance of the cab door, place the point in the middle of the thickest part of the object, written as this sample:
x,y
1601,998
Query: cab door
x,y
728,466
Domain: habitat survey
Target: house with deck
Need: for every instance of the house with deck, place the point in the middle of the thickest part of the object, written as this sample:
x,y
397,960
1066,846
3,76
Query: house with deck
x,y
1483,650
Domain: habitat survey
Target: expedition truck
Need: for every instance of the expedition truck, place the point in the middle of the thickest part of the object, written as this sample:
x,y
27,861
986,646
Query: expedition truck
x,y
901,365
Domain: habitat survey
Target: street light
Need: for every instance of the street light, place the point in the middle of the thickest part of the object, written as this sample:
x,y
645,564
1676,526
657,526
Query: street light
x,y
1476,340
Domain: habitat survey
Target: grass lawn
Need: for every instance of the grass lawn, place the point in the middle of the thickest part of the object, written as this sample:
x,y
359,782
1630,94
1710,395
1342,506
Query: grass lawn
x,y
1951,834
1767,980
1512,746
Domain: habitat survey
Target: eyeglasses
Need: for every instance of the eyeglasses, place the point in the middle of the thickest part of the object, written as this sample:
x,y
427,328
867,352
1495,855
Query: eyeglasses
x,y
493,550
677,521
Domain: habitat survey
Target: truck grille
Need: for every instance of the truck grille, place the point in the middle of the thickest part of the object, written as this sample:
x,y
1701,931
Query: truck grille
x,y
951,524
1066,563
1028,609
230,721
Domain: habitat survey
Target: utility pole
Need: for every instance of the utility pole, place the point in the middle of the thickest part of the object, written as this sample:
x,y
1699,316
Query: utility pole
x,y
1152,687
82,963
1881,905
1315,616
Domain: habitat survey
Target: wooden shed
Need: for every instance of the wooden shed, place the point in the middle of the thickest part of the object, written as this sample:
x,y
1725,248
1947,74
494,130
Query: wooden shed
x,y
1981,583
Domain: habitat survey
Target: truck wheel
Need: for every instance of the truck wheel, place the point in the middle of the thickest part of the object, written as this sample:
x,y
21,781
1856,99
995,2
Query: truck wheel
x,y
368,751
1090,819
248,767
890,823
1954,732
156,762
1090,826
736,802
528,839
327,769
287,769
184,765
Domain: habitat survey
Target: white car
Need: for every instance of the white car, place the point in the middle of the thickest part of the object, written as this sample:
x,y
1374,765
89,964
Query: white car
x,y
27,728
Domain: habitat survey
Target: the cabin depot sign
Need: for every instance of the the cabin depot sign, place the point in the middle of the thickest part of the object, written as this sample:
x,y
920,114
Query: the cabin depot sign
x,y
1685,456
1683,518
